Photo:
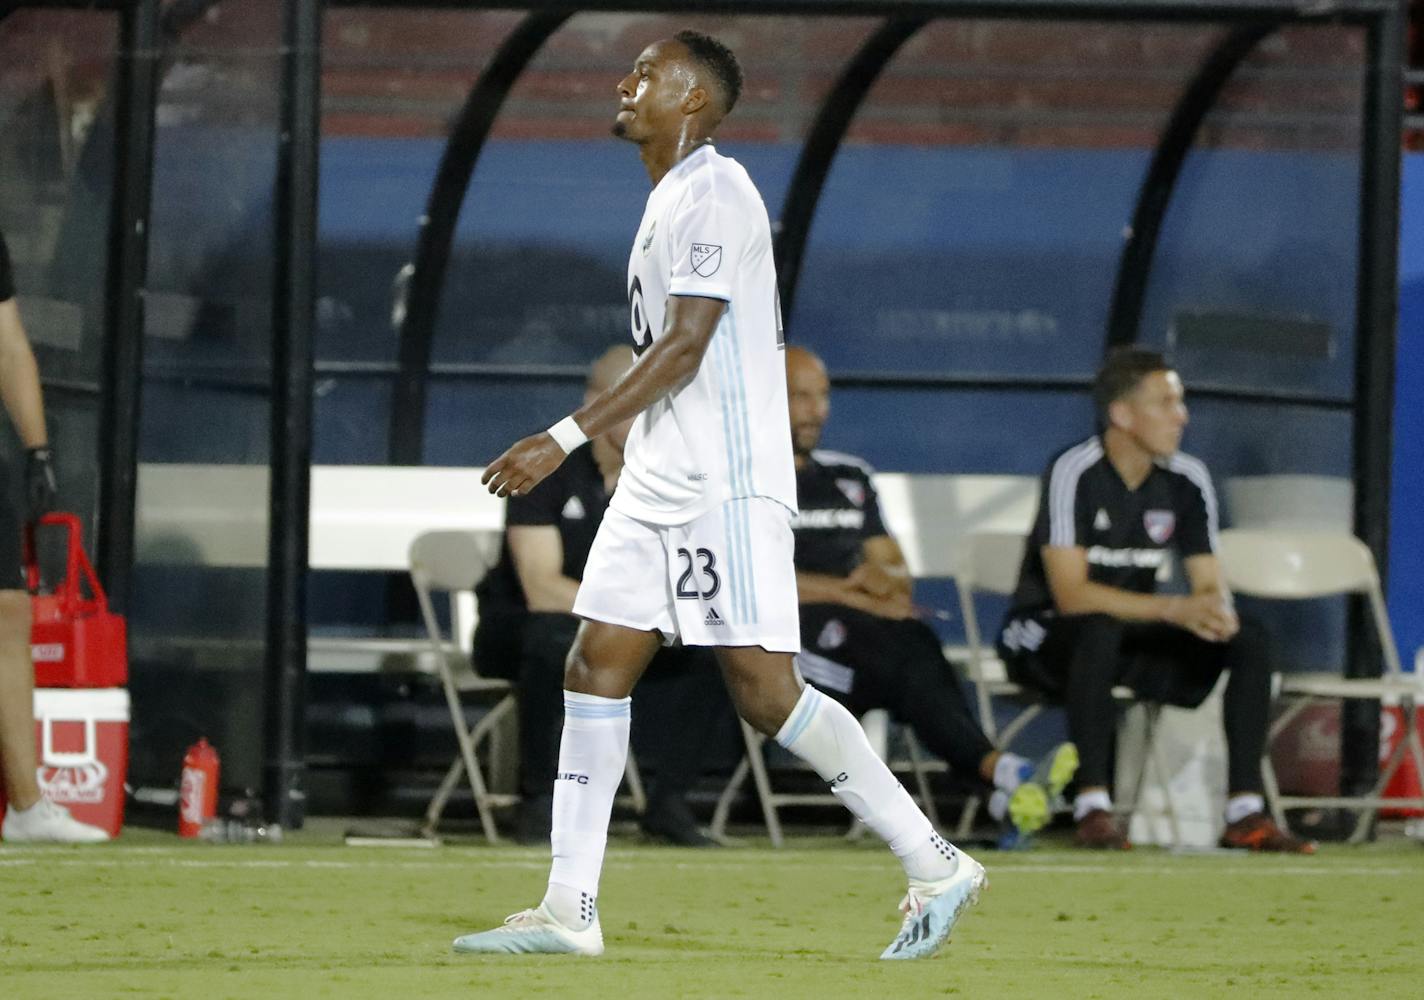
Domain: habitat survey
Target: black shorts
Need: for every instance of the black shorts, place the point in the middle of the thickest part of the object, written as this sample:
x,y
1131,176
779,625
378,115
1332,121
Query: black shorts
x,y
1159,662
12,568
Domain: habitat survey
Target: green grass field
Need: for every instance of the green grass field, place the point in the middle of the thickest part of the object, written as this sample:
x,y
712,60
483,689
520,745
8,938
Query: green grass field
x,y
151,917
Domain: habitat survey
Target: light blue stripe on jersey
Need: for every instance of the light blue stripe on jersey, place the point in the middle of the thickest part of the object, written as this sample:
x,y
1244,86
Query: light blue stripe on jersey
x,y
806,710
721,359
742,434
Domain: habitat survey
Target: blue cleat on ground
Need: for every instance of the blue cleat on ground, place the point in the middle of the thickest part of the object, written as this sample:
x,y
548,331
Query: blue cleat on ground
x,y
533,932
932,908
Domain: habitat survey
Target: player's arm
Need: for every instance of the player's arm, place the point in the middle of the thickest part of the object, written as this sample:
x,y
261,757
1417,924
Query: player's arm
x,y
1075,594
538,553
20,379
671,360
1206,580
823,588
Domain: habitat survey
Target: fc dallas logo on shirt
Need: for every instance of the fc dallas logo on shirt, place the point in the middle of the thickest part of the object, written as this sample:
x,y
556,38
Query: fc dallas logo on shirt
x,y
1159,524
854,491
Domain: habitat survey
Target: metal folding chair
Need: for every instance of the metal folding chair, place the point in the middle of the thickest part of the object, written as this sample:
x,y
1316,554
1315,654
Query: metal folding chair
x,y
990,564
453,562
1304,565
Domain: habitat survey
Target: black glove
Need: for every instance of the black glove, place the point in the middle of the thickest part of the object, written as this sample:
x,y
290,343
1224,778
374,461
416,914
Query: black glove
x,y
40,486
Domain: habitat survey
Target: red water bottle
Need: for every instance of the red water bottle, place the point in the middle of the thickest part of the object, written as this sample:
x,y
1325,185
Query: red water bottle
x,y
198,793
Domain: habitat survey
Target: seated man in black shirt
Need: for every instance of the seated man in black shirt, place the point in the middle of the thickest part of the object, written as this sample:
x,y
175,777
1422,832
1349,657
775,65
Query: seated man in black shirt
x,y
861,643
527,626
1086,615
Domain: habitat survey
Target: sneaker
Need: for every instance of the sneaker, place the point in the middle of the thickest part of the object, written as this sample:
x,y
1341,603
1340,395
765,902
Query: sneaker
x,y
670,819
48,823
1258,832
1032,803
932,908
1099,830
533,932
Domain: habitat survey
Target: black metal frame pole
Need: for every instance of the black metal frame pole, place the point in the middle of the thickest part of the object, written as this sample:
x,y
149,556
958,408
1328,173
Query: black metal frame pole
x,y
814,164
293,326
1155,196
123,298
1377,298
437,228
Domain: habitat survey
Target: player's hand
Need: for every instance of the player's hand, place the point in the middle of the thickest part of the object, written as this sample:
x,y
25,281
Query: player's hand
x,y
881,581
524,466
894,607
1207,616
40,487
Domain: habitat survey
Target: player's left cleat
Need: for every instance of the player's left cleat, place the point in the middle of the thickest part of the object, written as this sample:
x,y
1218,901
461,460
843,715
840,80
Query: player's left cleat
x,y
533,932
932,908
1032,803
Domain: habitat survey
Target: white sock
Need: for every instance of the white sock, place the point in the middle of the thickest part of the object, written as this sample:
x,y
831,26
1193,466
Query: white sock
x,y
592,754
1010,771
1086,802
826,736
1238,807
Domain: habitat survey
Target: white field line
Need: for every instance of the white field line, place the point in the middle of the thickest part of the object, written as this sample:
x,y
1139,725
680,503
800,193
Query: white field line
x,y
161,858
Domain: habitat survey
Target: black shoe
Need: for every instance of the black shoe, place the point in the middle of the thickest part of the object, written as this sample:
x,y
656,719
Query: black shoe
x,y
671,820
535,820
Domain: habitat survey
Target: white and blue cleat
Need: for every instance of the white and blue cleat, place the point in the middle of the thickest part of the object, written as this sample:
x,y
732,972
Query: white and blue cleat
x,y
533,932
932,908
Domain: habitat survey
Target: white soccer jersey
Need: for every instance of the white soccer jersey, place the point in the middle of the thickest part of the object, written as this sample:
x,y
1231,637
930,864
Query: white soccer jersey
x,y
725,433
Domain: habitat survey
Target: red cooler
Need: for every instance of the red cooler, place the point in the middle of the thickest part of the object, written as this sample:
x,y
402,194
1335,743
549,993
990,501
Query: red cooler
x,y
83,740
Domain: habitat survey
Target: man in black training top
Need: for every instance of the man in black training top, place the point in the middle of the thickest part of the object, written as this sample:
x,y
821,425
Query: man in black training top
x,y
527,626
1086,615
30,816
862,644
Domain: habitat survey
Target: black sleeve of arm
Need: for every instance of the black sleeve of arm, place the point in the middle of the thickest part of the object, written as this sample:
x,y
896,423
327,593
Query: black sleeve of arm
x,y
540,506
874,518
7,276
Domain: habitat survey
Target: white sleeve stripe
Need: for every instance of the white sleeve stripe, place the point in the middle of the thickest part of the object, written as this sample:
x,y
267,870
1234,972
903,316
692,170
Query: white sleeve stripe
x,y
1063,490
1195,470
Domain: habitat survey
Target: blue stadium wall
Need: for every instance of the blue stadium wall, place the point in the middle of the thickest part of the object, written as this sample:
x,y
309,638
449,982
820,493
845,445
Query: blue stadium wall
x,y
920,262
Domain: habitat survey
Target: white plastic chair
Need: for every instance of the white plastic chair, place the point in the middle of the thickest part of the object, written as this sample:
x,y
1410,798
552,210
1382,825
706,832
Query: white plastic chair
x,y
989,564
1304,565
453,562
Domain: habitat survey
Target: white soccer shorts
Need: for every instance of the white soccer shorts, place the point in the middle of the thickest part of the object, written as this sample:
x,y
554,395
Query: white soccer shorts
x,y
725,579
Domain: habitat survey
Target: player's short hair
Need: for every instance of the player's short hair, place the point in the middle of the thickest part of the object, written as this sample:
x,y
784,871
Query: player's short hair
x,y
717,59
1123,371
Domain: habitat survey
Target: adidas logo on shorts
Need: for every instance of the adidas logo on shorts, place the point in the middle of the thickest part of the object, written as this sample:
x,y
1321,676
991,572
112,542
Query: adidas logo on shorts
x,y
713,618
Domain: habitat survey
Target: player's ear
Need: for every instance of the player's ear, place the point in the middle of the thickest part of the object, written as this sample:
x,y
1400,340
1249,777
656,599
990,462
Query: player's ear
x,y
696,99
1120,414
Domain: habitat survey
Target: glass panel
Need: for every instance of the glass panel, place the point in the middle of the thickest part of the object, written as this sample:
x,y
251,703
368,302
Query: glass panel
x,y
56,117
199,613
1254,283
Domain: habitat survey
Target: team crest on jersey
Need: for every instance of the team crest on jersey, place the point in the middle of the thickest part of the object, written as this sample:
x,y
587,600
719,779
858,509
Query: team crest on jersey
x,y
648,240
1159,524
833,636
853,489
706,259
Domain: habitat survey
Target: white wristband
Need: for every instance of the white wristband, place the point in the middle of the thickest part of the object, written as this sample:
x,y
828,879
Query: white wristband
x,y
568,434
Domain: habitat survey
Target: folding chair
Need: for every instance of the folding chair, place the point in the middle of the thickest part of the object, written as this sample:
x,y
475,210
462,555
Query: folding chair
x,y
989,564
1303,565
453,562
754,763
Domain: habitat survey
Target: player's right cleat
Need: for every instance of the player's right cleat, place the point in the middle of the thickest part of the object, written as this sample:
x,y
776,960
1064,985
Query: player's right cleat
x,y
47,823
533,932
1032,803
932,908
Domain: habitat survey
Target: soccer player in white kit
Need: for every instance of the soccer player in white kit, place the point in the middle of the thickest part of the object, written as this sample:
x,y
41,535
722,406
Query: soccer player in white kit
x,y
697,542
